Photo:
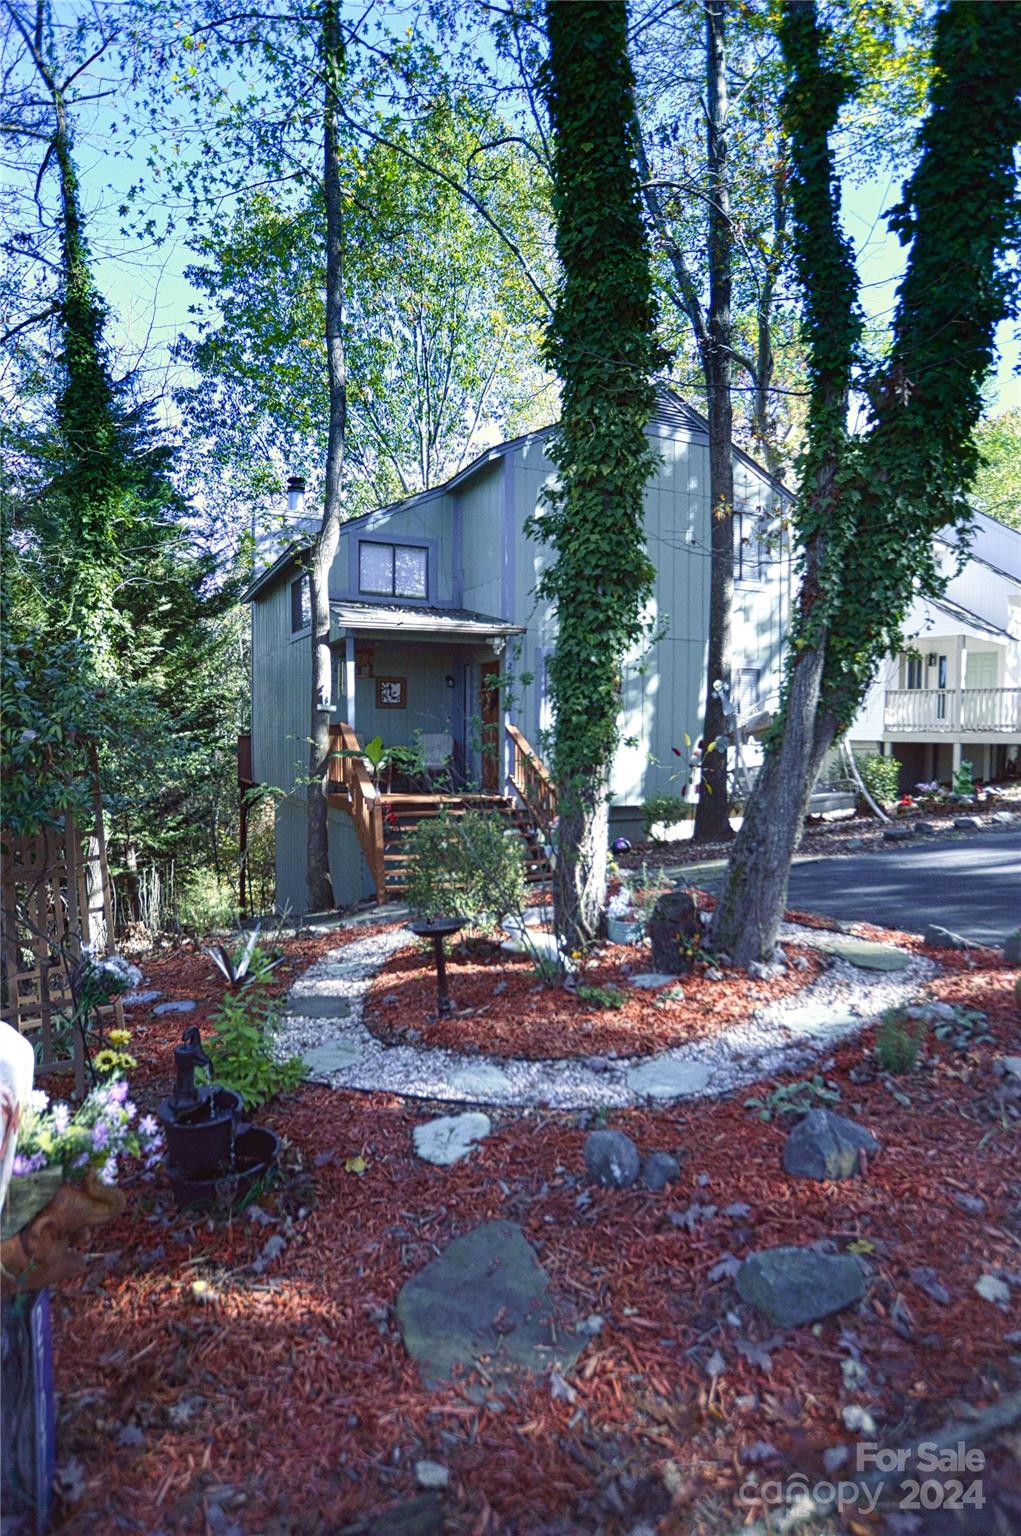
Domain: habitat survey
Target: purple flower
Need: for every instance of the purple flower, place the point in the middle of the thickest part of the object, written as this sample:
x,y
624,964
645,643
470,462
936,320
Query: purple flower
x,y
32,1164
60,1118
130,1110
108,1172
149,1126
100,1135
118,1092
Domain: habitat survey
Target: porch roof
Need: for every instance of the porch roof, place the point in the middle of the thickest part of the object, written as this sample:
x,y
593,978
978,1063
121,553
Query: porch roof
x,y
457,623
964,621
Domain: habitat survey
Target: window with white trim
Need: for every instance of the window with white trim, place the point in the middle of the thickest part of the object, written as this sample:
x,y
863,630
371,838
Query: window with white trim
x,y
749,549
393,570
301,605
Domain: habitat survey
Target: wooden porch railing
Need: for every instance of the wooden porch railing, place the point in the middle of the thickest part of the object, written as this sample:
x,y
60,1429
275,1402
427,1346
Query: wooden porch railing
x,y
531,780
349,776
938,710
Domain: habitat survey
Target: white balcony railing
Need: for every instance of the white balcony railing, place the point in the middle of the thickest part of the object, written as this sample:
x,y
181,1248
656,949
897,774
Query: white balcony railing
x,y
942,711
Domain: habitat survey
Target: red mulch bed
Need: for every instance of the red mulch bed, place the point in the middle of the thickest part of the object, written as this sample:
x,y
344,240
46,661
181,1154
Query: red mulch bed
x,y
283,1395
503,1010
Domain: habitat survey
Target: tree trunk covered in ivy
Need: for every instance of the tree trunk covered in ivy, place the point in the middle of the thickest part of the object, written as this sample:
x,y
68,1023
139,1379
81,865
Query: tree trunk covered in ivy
x,y
601,342
324,550
871,505
712,820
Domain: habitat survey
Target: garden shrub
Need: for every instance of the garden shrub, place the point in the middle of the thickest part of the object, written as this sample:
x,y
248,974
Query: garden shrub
x,y
663,810
880,774
470,865
241,1050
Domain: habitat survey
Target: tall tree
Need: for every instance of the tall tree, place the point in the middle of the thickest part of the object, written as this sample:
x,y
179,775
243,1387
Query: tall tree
x,y
870,504
601,343
324,549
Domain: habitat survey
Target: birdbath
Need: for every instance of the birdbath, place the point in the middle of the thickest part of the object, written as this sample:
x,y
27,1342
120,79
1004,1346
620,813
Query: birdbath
x,y
438,929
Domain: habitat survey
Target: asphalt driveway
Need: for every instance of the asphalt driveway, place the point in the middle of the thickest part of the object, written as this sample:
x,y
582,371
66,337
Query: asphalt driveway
x,y
971,885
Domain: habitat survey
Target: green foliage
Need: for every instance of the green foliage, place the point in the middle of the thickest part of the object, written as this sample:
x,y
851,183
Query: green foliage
x,y
663,810
795,1098
241,1049
899,1041
996,488
880,775
601,997
964,779
470,865
601,344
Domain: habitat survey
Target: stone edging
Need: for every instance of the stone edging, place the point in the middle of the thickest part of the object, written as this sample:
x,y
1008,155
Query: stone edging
x,y
324,1024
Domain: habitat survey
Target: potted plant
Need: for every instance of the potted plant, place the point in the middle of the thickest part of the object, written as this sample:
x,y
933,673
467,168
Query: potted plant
x,y
64,1179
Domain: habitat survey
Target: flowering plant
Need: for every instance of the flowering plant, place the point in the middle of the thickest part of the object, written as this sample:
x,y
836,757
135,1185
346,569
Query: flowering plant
x,y
103,1129
95,980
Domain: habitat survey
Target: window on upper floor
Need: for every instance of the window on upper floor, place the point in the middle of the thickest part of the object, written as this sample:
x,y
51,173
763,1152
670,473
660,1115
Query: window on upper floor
x,y
749,547
914,673
301,605
393,570
747,691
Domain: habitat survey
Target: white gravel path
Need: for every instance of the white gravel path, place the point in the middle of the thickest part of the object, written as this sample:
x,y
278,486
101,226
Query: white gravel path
x,y
324,1024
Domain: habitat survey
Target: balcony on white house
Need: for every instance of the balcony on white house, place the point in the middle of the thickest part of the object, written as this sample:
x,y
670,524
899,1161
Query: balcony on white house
x,y
952,711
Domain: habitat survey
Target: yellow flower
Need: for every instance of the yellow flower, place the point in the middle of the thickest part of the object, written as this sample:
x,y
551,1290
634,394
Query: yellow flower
x,y
119,1036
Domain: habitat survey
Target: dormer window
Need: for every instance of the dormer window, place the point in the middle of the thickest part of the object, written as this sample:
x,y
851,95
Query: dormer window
x,y
393,570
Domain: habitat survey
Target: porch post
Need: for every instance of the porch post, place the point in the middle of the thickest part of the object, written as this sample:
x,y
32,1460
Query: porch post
x,y
349,679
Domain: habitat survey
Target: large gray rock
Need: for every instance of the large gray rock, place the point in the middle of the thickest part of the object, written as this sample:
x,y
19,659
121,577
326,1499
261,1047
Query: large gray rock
x,y
790,1286
943,938
675,922
826,1146
899,832
451,1137
612,1159
1012,948
968,823
659,1170
486,1295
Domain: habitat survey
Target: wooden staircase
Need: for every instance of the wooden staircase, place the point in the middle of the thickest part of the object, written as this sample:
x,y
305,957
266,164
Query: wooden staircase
x,y
385,821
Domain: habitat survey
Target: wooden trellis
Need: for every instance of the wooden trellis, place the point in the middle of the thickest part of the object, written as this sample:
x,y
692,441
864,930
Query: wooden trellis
x,y
54,897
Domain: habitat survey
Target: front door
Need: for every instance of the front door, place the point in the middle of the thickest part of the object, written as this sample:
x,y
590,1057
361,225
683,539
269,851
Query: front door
x,y
489,704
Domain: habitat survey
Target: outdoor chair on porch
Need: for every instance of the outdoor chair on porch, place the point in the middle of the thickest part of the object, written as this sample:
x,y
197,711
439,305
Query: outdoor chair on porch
x,y
437,749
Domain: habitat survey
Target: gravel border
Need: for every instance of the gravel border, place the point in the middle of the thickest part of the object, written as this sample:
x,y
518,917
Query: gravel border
x,y
324,1024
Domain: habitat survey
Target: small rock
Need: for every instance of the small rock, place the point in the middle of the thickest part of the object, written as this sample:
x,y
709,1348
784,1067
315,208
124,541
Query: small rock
x,y
855,843
967,823
1005,818
431,1474
714,974
790,1286
1010,1066
451,1137
990,1288
1012,948
591,1325
659,1170
924,829
973,1204
139,999
928,1281
599,1063
612,1159
856,1417
801,962
826,1146
130,1435
651,979
943,938
834,1457
185,1005
898,833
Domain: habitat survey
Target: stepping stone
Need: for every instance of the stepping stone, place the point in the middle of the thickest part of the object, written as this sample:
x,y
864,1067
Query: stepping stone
x,y
451,1137
333,1056
669,1077
820,1021
651,979
790,1286
185,1005
482,1084
826,1146
139,999
485,1299
864,953
319,1005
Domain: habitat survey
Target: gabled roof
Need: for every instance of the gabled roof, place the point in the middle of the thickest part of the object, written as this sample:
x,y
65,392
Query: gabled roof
x,y
351,614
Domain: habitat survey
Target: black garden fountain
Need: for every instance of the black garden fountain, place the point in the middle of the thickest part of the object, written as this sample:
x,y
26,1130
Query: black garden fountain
x,y
212,1157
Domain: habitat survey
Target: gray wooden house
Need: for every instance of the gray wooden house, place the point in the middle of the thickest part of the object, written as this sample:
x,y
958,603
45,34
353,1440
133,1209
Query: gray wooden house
x,y
439,638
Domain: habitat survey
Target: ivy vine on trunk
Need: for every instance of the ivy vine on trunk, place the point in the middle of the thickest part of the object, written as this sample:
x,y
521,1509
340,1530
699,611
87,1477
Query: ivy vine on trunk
x,y
601,342
870,505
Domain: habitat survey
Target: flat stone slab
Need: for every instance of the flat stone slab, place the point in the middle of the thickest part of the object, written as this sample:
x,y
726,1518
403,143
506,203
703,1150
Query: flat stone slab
x,y
318,1005
482,1083
864,953
820,1021
669,1077
183,1005
484,1301
652,979
139,999
790,1286
451,1137
331,1056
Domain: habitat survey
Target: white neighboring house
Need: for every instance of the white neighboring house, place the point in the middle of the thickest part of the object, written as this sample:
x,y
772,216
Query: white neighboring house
x,y
957,693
